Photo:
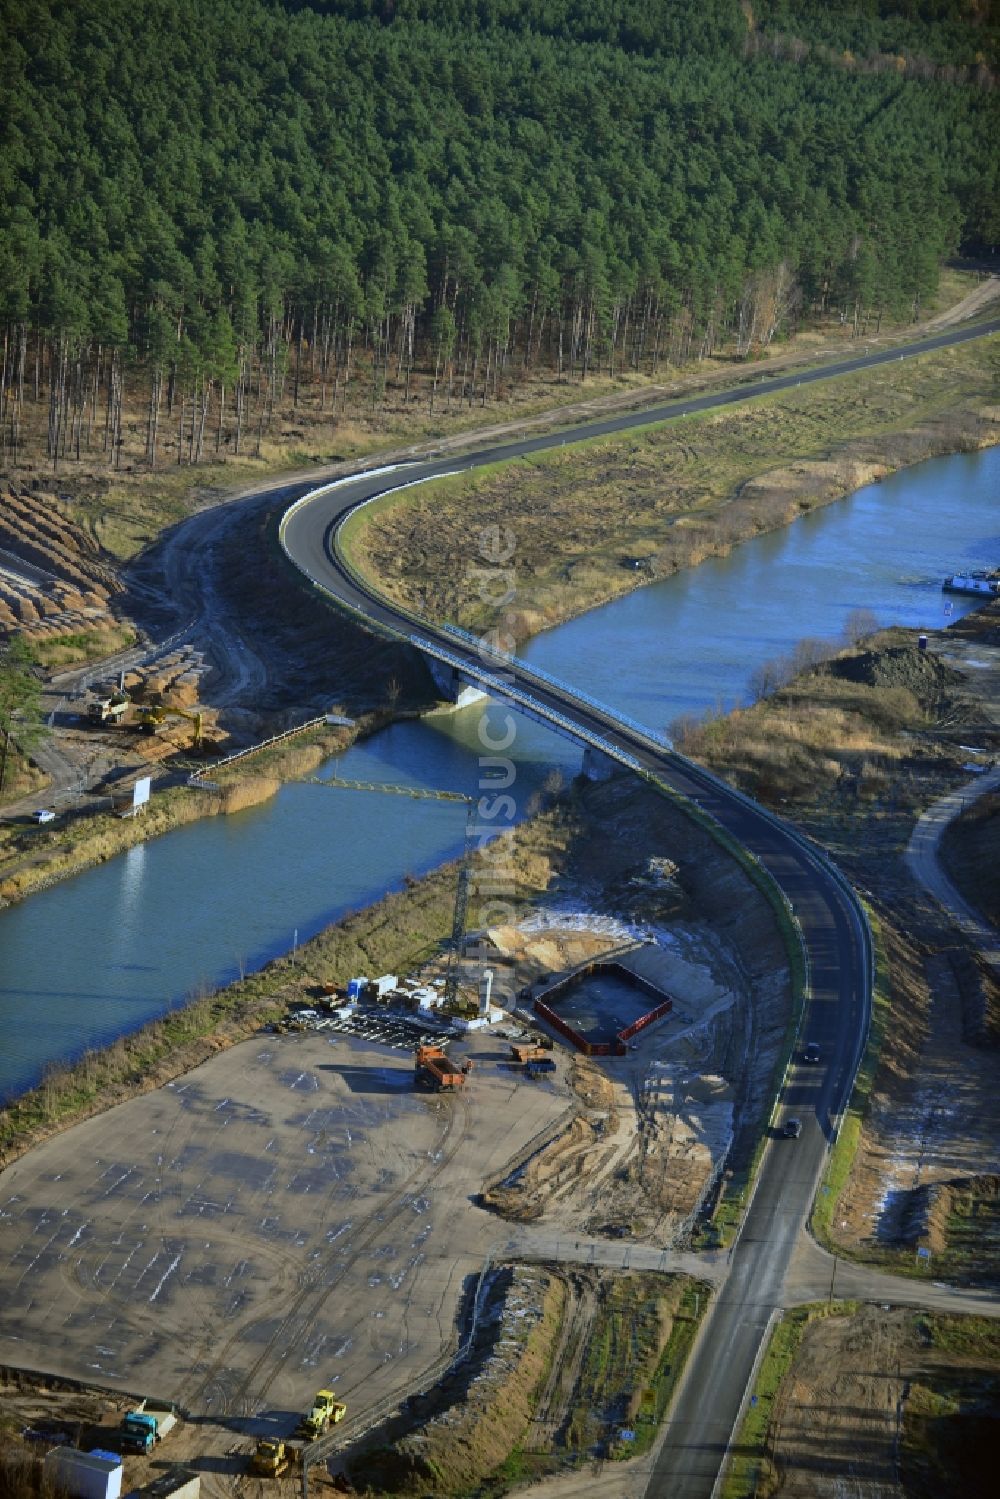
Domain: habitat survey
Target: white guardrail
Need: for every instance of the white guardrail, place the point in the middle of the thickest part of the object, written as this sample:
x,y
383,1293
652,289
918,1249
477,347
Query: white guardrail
x,y
512,693
507,658
199,778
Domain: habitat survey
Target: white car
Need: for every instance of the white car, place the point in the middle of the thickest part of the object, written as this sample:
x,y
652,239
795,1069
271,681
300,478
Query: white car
x,y
44,814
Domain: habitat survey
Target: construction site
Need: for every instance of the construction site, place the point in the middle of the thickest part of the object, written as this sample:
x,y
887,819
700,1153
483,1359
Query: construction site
x,y
409,1193
445,1229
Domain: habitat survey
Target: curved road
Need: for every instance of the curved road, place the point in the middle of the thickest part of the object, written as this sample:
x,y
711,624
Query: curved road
x,y
833,926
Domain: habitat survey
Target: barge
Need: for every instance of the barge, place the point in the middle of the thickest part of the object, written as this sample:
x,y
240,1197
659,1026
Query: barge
x,y
983,583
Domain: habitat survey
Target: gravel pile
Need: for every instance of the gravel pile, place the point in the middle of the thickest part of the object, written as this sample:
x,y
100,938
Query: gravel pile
x,y
921,672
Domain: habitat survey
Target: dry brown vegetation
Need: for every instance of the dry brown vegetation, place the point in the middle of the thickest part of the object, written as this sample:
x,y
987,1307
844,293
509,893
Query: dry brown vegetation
x,y
123,506
841,728
594,520
853,750
883,1401
33,858
970,851
472,1437
557,1372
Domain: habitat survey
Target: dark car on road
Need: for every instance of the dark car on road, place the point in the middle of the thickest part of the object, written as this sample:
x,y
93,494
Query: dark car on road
x,y
811,1053
792,1129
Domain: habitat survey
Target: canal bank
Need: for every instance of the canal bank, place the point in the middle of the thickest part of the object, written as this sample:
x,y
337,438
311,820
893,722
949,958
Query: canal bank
x,y
196,907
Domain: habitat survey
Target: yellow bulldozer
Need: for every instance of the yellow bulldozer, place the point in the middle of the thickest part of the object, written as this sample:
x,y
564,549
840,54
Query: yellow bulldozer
x,y
273,1457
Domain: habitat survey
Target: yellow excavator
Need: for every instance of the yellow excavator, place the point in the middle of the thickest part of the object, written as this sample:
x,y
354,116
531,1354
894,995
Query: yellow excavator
x,y
150,716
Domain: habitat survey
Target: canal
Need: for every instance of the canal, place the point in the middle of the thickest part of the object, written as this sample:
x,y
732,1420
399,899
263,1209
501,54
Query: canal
x,y
120,944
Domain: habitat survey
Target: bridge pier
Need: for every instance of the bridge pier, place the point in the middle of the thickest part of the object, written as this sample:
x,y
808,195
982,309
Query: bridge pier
x,y
455,692
597,766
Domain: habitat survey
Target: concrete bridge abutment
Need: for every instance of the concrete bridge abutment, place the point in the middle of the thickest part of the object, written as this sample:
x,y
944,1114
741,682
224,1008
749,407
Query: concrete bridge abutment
x,y
455,692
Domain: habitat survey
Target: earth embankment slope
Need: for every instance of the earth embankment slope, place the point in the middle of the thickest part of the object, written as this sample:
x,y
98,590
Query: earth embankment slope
x,y
594,520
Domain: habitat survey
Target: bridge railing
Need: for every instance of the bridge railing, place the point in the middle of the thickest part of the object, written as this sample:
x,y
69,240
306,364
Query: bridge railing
x,y
525,668
519,698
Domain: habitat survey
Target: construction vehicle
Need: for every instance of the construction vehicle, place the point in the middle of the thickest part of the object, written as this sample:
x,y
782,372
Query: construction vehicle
x,y
152,716
530,1051
137,1433
539,1067
433,1069
272,1457
146,1425
326,1410
111,709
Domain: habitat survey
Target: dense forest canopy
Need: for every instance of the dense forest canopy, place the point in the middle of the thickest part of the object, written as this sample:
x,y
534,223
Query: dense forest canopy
x,y
194,189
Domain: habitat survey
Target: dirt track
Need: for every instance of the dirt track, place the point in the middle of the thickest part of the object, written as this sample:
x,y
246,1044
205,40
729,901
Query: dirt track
x,y
840,1427
179,583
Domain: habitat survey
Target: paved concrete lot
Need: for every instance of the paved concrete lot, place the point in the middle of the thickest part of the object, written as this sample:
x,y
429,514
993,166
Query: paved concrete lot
x,y
288,1216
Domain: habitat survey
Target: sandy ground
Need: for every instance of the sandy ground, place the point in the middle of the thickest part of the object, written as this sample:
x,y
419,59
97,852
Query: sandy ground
x,y
291,1215
837,1429
186,571
937,1116
839,1418
649,1134
944,1123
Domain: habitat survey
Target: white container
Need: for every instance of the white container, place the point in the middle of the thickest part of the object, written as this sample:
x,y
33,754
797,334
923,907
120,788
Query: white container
x,y
83,1475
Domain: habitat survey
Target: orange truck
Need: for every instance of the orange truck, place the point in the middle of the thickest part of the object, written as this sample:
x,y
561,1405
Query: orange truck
x,y
437,1071
531,1052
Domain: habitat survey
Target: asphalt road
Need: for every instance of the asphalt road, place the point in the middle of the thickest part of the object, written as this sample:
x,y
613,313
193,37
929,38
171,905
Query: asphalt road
x,y
832,923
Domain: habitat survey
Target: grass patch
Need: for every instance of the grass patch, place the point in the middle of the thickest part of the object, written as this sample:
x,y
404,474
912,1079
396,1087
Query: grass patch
x,y
605,1356
396,934
291,758
639,1342
665,1377
42,856
972,1250
951,1418
967,1338
22,778
32,858
83,646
